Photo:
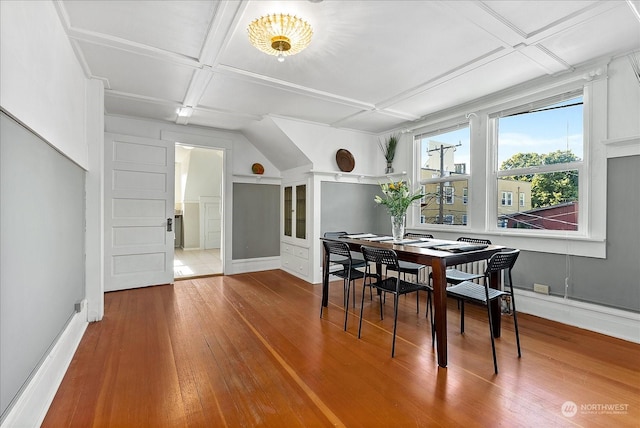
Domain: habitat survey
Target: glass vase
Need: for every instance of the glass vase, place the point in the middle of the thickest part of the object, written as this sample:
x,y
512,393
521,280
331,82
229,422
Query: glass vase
x,y
397,227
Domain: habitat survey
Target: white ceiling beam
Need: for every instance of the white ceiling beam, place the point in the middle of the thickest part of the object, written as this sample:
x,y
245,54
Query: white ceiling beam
x,y
223,26
132,47
260,79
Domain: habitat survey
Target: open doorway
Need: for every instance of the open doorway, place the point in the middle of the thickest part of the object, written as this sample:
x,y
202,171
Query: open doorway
x,y
198,211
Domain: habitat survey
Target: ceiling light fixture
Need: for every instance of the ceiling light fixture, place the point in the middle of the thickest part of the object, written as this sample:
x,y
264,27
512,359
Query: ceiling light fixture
x,y
280,34
185,111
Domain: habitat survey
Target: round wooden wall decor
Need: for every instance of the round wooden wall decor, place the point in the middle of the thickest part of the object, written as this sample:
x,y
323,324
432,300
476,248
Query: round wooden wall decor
x,y
257,168
345,160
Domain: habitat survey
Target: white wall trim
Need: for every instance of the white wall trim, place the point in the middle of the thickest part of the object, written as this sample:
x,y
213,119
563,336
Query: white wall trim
x,y
622,147
33,403
601,319
256,265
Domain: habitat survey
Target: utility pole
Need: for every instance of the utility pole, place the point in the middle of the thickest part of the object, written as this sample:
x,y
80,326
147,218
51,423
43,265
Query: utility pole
x,y
442,174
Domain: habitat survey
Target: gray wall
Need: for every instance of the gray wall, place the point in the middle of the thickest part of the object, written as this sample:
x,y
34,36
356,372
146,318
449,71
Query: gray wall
x,y
348,207
42,247
614,281
256,213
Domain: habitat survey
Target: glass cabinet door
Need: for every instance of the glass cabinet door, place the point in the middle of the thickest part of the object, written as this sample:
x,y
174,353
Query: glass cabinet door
x,y
301,211
288,210
295,211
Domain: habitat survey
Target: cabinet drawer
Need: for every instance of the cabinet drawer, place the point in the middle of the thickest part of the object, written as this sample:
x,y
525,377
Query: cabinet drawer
x,y
302,253
295,264
287,249
294,250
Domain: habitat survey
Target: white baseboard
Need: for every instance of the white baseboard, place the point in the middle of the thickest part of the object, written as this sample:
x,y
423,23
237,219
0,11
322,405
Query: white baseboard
x,y
31,407
601,319
255,265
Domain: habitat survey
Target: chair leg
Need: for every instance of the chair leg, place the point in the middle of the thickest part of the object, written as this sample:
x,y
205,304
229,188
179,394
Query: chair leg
x,y
433,326
493,342
461,302
395,324
515,323
345,296
346,308
364,285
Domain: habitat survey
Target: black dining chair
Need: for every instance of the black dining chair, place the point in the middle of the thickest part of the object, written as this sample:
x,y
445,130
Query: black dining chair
x,y
484,294
395,285
348,273
356,257
416,270
456,276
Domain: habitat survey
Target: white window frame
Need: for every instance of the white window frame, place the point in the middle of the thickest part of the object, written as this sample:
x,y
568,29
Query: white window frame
x,y
582,231
451,125
521,199
482,208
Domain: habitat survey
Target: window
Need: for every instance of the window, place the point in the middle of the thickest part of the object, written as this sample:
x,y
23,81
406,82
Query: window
x,y
444,170
449,191
507,198
539,158
555,175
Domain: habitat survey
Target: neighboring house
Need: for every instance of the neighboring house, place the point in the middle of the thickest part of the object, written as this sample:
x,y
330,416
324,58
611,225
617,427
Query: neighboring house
x,y
450,200
514,196
556,217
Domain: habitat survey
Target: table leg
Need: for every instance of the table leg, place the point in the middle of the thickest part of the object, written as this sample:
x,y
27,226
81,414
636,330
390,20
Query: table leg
x,y
496,310
439,268
325,277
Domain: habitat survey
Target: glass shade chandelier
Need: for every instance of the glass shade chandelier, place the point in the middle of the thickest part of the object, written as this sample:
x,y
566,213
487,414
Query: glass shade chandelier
x,y
280,34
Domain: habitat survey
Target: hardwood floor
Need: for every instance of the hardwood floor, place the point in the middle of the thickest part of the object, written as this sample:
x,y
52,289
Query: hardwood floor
x,y
250,350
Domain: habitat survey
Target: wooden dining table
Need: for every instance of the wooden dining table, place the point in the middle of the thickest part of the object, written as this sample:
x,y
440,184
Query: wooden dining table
x,y
438,260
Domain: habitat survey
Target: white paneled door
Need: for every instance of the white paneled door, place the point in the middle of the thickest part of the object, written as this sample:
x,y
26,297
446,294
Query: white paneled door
x,y
211,221
139,212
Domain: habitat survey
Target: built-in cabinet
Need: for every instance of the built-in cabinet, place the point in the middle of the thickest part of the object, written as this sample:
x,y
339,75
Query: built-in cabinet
x,y
294,251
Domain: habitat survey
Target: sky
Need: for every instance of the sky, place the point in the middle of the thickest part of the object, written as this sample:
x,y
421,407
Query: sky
x,y
540,132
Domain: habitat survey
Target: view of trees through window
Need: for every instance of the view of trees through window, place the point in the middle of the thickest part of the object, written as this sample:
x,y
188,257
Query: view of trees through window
x,y
540,159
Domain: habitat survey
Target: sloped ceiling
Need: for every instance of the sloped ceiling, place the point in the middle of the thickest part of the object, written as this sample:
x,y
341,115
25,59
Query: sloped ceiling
x,y
372,66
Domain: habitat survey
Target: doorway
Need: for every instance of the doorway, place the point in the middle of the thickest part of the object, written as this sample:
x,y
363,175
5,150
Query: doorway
x,y
198,211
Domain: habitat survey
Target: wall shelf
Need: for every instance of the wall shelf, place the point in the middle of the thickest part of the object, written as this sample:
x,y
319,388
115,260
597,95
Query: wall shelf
x,y
256,178
338,175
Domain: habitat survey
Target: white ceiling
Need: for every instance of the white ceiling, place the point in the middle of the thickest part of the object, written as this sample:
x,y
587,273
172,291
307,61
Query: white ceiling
x,y
372,65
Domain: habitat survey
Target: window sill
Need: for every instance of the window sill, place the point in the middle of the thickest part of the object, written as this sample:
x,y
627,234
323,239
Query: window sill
x,y
555,244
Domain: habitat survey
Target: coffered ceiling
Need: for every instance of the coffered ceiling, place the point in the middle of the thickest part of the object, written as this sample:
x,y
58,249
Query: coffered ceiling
x,y
372,65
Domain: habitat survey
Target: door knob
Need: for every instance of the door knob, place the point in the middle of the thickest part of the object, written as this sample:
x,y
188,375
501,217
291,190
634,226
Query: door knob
x,y
169,224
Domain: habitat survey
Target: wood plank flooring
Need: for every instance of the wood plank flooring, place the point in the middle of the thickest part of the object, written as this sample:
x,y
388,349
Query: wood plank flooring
x,y
251,350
